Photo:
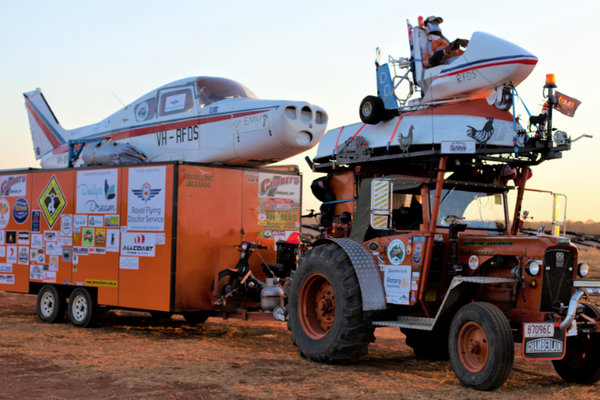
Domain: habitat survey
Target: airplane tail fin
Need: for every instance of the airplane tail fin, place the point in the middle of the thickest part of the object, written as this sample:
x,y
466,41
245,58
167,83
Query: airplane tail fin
x,y
46,132
385,86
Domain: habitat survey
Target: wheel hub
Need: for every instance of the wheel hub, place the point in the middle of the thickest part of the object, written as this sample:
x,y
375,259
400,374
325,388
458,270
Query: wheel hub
x,y
47,304
316,306
79,308
473,347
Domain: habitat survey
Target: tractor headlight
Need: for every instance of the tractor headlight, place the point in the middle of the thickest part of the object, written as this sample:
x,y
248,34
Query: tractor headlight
x,y
532,268
582,269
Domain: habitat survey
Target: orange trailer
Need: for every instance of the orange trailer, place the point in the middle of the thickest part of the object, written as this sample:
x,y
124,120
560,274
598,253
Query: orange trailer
x,y
145,237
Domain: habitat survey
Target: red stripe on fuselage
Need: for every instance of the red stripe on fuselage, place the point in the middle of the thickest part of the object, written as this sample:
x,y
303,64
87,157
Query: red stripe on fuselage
x,y
47,132
147,130
460,71
473,108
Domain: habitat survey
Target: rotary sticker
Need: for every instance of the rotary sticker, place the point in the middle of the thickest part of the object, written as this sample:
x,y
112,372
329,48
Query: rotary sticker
x,y
21,210
473,262
396,252
4,213
52,201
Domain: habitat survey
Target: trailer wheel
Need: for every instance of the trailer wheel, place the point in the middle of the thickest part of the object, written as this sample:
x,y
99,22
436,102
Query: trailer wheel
x,y
481,346
371,110
83,308
432,345
51,304
198,317
161,314
581,363
325,309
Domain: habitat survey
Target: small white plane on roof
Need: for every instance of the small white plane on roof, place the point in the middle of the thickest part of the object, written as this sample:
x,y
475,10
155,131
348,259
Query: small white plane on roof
x,y
198,119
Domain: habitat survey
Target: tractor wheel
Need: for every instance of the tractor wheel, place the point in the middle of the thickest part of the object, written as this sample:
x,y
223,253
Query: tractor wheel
x,y
371,110
432,345
325,308
51,304
198,317
481,346
83,308
581,363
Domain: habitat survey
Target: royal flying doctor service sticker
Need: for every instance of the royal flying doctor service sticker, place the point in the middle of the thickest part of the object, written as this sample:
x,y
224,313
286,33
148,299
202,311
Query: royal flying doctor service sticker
x,y
396,252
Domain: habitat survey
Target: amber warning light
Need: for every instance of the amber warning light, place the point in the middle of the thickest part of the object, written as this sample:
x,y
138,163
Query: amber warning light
x,y
420,19
550,80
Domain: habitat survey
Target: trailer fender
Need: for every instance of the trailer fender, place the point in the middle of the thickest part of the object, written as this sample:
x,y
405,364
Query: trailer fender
x,y
367,271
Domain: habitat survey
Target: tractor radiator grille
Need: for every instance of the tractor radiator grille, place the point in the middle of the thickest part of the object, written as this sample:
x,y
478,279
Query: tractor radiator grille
x,y
558,279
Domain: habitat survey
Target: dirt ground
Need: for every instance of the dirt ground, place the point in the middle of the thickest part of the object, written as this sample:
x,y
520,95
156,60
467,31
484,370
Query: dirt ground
x,y
131,356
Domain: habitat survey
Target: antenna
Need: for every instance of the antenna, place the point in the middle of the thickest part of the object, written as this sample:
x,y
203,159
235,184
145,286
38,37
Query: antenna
x,y
117,98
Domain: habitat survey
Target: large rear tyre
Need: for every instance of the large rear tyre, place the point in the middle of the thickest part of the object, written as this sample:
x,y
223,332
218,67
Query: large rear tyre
x,y
161,314
325,309
481,346
432,345
581,363
51,304
83,308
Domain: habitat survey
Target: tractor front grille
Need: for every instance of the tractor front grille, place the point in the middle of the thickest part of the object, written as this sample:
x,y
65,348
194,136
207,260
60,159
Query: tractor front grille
x,y
557,283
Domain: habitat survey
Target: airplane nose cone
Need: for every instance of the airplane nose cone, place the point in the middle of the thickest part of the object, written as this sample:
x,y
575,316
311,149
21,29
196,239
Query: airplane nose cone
x,y
303,125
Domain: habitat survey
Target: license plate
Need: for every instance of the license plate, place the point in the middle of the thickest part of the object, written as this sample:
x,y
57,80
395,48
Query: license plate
x,y
543,342
538,330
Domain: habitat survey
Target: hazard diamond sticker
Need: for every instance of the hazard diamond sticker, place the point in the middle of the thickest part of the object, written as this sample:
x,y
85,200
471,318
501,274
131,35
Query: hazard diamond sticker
x,y
52,201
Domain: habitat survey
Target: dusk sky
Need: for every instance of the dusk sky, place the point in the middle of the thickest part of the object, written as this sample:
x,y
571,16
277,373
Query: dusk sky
x,y
78,53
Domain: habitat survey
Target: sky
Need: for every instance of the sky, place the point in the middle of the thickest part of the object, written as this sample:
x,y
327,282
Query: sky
x,y
80,53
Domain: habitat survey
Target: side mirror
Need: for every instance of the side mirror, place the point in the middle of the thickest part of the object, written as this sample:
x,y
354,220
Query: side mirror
x,y
381,204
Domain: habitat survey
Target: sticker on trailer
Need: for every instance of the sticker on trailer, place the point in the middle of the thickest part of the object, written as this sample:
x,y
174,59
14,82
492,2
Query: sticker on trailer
x,y
32,255
146,199
100,236
41,258
1,237
438,238
37,241
113,240
419,239
96,282
11,254
2,251
79,221
13,185
138,244
36,218
20,211
396,252
408,249
111,221
35,272
4,213
7,279
161,238
50,236
397,280
129,263
65,241
11,237
75,259
66,225
48,276
52,201
97,191
53,249
543,341
95,221
81,251
53,263
23,237
6,268
87,237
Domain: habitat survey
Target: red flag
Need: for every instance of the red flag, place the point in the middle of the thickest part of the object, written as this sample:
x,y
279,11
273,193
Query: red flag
x,y
565,104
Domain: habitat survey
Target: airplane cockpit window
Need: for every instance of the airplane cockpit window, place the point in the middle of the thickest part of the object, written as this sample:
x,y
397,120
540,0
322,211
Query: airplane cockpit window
x,y
145,110
176,102
212,90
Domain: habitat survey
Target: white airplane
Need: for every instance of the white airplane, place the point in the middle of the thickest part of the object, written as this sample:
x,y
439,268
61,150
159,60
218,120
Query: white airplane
x,y
197,119
457,106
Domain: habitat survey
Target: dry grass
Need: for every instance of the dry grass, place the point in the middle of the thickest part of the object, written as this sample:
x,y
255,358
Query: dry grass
x,y
132,357
590,256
